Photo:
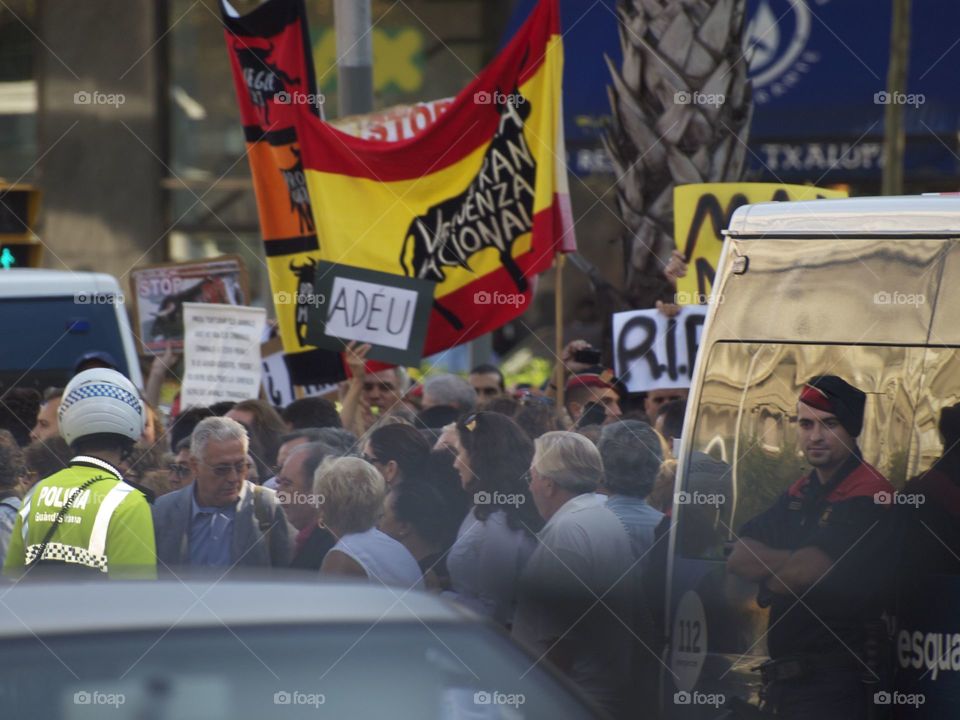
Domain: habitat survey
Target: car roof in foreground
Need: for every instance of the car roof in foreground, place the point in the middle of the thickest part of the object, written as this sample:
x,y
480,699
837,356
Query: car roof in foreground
x,y
33,282
916,215
54,608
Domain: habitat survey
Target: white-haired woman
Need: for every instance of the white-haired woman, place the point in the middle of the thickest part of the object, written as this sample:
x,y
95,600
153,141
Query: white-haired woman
x,y
350,494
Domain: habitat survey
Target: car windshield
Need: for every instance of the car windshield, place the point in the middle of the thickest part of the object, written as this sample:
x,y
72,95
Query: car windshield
x,y
374,670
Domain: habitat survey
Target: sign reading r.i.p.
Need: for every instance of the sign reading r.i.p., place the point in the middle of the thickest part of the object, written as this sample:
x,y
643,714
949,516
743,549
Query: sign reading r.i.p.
x,y
390,312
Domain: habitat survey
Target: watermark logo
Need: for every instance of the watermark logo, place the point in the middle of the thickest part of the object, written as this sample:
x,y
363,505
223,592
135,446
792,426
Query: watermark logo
x,y
498,498
86,298
482,97
898,698
288,497
86,97
684,97
897,498
699,498
482,697
299,98
683,697
697,298
482,297
898,98
898,298
299,299
95,697
295,697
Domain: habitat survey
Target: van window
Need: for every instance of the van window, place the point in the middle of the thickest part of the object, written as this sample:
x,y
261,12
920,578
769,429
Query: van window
x,y
744,452
43,337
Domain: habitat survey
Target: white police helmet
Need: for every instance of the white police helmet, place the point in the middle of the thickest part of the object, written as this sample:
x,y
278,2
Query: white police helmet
x,y
98,401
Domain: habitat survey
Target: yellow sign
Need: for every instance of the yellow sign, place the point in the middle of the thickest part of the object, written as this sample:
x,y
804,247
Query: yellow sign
x,y
702,212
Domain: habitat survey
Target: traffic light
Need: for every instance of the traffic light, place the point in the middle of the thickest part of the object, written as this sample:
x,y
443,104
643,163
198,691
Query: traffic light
x,y
19,205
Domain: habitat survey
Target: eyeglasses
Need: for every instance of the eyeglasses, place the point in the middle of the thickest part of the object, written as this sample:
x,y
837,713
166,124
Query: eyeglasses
x,y
470,422
178,469
223,470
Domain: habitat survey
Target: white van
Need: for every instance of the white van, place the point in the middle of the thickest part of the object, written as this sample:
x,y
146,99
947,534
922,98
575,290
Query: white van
x,y
869,290
50,318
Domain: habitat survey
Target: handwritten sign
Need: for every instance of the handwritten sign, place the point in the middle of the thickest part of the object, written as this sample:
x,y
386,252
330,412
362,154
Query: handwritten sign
x,y
702,212
655,352
221,353
388,311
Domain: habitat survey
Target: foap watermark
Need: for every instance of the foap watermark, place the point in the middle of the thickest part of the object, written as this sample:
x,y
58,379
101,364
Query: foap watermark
x,y
299,299
95,697
898,98
698,498
483,97
685,97
483,297
87,97
295,697
697,298
898,698
498,498
684,697
88,298
483,697
897,498
288,497
899,298
299,98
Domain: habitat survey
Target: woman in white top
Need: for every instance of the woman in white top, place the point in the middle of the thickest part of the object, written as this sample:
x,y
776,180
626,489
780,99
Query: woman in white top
x,y
352,493
497,537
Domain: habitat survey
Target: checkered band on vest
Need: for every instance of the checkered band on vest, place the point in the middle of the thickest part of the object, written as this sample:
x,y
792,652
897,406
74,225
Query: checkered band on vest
x,y
92,390
68,554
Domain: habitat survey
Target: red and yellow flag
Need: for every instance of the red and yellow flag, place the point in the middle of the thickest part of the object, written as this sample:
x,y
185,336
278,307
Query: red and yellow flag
x,y
477,201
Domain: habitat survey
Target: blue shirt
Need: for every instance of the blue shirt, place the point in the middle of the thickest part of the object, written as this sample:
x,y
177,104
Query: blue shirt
x,y
638,519
210,534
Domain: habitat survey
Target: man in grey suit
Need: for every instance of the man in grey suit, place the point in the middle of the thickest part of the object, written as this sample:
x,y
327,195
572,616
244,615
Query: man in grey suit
x,y
222,520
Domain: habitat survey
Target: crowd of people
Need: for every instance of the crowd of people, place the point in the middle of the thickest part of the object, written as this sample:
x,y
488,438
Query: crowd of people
x,y
533,517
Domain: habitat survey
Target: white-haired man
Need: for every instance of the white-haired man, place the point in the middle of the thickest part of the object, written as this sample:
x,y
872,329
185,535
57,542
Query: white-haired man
x,y
575,602
222,519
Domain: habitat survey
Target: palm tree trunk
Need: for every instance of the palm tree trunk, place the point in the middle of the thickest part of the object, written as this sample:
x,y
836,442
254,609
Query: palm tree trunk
x,y
681,106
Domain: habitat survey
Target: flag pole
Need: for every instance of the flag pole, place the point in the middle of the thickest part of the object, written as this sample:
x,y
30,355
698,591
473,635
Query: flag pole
x,y
558,262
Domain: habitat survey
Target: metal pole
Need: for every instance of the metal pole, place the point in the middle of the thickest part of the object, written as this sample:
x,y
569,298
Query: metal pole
x,y
354,56
894,140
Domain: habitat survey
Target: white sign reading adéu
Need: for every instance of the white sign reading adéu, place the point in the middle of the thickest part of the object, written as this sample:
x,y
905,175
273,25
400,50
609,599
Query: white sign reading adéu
x,y
221,353
371,313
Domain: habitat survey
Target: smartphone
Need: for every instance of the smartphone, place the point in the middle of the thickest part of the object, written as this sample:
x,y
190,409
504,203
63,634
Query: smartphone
x,y
587,356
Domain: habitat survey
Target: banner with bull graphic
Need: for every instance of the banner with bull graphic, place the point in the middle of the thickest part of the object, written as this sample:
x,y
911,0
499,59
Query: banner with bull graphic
x,y
273,72
476,202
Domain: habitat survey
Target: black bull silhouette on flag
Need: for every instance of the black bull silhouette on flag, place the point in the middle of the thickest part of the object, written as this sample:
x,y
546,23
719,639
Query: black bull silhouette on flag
x,y
262,78
493,211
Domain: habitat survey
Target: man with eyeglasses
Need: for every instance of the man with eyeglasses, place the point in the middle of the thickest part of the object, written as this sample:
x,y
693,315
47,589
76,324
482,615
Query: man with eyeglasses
x,y
179,473
221,520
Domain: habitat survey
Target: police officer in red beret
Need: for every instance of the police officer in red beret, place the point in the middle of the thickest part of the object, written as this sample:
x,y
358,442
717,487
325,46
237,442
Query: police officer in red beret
x,y
820,556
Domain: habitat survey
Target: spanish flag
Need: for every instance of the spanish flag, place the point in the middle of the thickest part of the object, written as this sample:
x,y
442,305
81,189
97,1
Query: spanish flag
x,y
477,202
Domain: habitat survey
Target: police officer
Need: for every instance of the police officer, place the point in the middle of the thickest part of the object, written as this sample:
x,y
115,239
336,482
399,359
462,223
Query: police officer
x,y
821,557
85,518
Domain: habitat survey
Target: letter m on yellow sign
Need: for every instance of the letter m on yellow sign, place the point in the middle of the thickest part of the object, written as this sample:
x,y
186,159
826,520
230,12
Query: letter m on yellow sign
x,y
702,212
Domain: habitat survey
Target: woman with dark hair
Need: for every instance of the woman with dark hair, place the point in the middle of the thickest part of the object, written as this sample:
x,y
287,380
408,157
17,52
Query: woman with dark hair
x,y
416,514
397,450
496,538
